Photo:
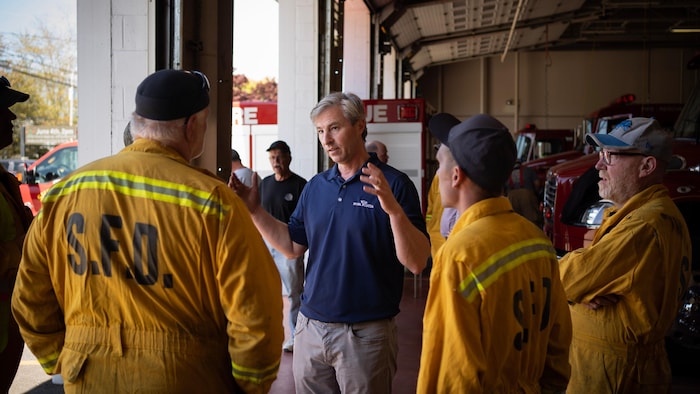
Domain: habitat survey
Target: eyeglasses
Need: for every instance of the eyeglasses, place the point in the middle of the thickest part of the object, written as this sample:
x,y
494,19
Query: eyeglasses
x,y
606,155
203,78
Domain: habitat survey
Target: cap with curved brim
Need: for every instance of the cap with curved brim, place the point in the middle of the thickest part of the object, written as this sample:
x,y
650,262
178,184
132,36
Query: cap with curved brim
x,y
607,141
279,145
643,135
484,149
441,124
8,97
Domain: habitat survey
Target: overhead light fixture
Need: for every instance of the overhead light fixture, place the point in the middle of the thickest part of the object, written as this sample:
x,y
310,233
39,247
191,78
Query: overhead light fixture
x,y
684,27
603,31
685,30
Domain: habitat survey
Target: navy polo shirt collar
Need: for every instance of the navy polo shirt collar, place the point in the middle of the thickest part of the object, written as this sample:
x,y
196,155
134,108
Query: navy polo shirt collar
x,y
333,173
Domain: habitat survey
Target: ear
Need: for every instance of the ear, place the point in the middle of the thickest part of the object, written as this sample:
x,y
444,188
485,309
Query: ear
x,y
361,124
457,177
189,127
647,166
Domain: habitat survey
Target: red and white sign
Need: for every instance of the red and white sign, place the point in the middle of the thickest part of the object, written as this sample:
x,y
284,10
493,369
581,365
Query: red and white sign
x,y
254,129
399,124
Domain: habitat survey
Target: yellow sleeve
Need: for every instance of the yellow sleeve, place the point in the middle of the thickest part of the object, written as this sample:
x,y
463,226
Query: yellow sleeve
x,y
433,214
35,303
251,294
557,369
449,367
609,265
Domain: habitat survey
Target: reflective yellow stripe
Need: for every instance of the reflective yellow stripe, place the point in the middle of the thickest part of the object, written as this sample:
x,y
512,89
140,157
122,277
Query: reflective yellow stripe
x,y
141,187
48,363
256,376
501,262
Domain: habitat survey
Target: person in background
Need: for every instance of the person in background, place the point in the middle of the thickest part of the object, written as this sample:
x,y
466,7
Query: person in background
x,y
379,148
143,273
496,318
279,194
362,224
14,222
625,289
437,221
243,173
522,190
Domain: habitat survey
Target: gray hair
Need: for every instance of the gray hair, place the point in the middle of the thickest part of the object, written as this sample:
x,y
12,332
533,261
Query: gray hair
x,y
351,105
159,130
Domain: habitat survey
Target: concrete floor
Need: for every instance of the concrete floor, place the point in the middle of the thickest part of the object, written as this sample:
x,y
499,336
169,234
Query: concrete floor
x,y
31,379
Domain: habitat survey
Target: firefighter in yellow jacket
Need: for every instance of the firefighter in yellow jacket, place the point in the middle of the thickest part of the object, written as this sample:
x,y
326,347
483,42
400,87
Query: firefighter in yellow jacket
x,y
438,220
496,319
626,288
14,222
142,273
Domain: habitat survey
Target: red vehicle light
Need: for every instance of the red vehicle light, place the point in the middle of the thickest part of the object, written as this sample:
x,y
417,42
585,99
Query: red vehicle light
x,y
408,112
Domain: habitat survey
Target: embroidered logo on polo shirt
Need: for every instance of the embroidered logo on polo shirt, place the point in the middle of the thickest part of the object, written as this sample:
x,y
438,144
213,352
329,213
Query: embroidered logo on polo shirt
x,y
364,204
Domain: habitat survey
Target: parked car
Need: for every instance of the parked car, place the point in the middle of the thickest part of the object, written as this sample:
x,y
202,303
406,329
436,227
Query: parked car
x,y
47,170
17,167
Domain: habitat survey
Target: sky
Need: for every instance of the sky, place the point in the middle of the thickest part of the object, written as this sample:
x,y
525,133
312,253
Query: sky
x,y
25,16
255,24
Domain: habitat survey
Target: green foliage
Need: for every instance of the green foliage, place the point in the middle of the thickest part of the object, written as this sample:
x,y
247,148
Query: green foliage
x,y
45,67
247,90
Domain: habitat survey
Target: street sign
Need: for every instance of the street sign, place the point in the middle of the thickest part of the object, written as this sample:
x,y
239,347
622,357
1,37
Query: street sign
x,y
49,135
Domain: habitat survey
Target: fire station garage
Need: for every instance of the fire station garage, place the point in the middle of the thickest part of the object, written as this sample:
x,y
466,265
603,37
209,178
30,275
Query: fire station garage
x,y
532,64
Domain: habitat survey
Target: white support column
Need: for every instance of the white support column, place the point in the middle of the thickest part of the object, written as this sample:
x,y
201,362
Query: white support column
x,y
389,75
298,70
113,57
356,40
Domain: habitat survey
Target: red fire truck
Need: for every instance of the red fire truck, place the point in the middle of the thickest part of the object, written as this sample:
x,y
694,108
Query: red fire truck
x,y
572,208
601,120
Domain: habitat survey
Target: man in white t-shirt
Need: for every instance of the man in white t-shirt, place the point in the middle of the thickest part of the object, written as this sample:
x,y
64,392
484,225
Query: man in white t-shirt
x,y
242,172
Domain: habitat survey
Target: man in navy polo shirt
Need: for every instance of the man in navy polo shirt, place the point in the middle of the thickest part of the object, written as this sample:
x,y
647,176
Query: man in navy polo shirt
x,y
362,223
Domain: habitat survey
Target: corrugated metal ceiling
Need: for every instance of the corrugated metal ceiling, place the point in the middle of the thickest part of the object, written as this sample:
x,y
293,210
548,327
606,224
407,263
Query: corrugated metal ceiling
x,y
428,33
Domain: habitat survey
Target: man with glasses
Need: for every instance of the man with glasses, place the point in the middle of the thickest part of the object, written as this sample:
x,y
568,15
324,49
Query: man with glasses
x,y
624,289
142,273
14,222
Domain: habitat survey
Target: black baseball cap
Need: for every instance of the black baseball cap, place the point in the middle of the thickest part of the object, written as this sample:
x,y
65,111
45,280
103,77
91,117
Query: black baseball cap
x,y
8,97
172,94
279,145
441,124
484,149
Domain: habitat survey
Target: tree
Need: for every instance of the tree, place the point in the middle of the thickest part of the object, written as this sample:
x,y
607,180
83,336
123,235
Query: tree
x,y
44,65
246,90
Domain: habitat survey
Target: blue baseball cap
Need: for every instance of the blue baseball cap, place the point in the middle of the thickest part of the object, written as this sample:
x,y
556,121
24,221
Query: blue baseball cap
x,y
643,135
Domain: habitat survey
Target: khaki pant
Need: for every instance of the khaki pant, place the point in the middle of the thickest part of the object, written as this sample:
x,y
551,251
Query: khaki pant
x,y
344,358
